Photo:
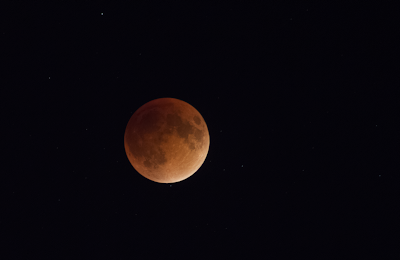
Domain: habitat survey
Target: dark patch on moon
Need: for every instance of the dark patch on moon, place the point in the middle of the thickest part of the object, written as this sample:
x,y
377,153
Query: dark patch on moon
x,y
174,120
147,164
152,153
184,128
198,135
197,120
150,121
191,146
149,150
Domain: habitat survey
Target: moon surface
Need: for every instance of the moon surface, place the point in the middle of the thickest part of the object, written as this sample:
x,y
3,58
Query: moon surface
x,y
166,140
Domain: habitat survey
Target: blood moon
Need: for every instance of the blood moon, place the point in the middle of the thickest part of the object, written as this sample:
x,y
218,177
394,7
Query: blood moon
x,y
166,140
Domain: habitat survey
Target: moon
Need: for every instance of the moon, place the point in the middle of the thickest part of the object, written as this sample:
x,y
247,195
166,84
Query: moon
x,y
166,140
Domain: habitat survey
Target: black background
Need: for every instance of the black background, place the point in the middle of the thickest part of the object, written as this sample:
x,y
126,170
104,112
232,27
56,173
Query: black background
x,y
301,103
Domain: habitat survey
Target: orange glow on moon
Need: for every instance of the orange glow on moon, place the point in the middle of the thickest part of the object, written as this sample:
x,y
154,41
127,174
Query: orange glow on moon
x,y
166,140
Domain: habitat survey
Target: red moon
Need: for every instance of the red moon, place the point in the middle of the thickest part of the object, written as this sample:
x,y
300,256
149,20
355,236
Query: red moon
x,y
166,140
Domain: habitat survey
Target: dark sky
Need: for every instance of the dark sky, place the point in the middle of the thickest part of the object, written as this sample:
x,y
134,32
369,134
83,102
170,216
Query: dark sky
x,y
302,106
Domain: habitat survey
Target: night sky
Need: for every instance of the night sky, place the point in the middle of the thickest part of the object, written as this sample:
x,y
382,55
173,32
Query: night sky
x,y
302,107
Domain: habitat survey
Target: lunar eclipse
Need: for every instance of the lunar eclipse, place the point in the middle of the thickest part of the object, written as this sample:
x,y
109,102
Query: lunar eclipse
x,y
166,140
